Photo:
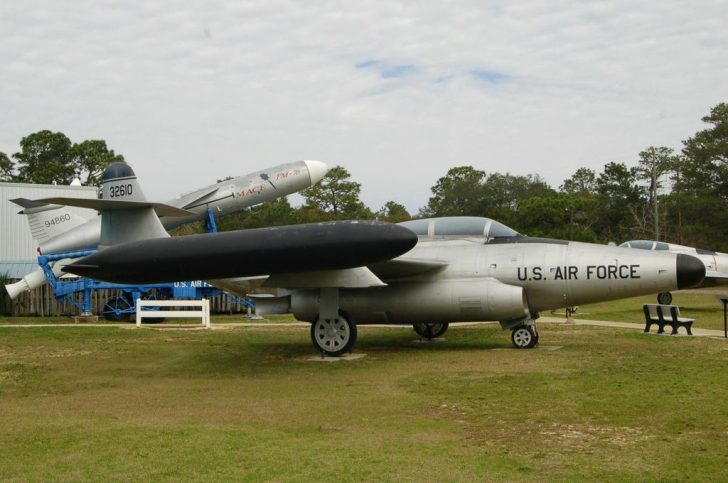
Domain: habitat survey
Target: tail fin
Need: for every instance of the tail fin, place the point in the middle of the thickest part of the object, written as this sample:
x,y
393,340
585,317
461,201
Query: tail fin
x,y
47,220
120,183
126,216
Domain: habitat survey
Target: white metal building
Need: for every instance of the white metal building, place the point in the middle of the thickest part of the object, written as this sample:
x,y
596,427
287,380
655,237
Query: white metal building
x,y
16,242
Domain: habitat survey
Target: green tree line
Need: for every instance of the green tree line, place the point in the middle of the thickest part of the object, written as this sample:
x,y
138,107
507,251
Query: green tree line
x,y
47,157
680,197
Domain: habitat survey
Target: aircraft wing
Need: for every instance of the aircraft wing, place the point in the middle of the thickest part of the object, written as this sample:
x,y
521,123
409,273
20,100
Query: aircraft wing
x,y
716,275
190,200
330,253
160,208
713,278
358,277
406,267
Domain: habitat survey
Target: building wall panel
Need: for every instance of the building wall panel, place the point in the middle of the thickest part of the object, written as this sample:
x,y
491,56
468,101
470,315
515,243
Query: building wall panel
x,y
16,242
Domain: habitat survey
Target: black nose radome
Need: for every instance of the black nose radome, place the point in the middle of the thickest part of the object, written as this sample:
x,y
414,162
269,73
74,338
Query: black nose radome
x,y
690,271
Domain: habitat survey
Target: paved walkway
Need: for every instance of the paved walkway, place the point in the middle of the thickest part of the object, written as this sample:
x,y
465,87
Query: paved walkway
x,y
627,325
233,325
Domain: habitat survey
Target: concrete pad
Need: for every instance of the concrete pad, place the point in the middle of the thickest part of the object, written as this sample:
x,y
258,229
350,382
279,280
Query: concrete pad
x,y
345,357
86,319
429,341
538,347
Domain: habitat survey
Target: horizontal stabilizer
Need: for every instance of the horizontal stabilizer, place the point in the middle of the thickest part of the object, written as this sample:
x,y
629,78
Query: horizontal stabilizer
x,y
110,205
360,277
33,206
26,203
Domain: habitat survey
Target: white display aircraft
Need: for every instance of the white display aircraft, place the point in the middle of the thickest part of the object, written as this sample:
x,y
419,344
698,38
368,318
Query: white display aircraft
x,y
716,266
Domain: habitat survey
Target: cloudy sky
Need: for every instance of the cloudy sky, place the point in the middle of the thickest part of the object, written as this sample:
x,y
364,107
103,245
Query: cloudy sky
x,y
396,92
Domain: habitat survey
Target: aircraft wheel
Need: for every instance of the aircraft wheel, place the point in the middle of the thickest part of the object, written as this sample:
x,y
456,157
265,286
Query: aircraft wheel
x,y
333,337
664,298
524,337
116,309
431,330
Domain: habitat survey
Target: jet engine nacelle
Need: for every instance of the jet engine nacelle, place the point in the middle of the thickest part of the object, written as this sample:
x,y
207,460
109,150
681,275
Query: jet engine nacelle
x,y
441,301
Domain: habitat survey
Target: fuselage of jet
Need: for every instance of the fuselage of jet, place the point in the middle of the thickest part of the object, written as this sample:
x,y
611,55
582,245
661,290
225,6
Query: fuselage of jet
x,y
504,278
474,269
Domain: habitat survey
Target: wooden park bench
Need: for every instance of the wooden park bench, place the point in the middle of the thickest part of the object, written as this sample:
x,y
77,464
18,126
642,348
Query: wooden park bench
x,y
663,315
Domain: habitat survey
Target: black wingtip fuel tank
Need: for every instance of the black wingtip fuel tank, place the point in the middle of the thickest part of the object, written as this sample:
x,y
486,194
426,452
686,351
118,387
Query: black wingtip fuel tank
x,y
263,251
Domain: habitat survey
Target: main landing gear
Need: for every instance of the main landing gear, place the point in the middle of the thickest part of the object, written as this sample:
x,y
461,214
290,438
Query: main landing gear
x,y
431,331
333,336
524,334
333,333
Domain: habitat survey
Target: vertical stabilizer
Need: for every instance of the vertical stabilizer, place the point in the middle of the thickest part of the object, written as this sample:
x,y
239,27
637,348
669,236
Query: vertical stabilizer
x,y
125,214
120,183
126,224
47,221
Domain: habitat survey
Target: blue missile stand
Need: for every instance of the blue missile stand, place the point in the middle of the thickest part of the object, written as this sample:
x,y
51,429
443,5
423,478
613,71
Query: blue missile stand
x,y
63,290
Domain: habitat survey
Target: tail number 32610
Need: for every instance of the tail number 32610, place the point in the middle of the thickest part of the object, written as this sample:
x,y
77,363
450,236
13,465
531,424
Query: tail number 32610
x,y
120,190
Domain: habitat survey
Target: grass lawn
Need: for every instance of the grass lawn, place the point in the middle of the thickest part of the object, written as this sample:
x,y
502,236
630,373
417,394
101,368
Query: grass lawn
x,y
109,403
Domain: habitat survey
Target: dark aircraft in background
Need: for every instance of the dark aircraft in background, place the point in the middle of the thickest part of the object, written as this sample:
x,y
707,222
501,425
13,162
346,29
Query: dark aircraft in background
x,y
716,266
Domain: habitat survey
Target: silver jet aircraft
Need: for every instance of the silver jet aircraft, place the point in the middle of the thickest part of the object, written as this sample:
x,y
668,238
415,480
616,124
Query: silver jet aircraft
x,y
454,270
57,229
716,266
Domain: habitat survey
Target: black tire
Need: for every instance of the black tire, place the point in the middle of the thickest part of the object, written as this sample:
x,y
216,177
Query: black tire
x,y
431,330
154,320
524,337
664,298
117,309
333,337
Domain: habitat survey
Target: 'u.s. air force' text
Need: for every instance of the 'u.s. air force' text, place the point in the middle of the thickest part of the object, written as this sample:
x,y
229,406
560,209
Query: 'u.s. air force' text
x,y
571,272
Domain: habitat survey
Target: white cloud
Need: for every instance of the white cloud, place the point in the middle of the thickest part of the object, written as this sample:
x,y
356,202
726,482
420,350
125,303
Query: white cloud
x,y
190,94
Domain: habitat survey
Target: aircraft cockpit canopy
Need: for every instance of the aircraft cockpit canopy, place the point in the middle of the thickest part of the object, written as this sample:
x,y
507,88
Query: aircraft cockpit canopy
x,y
646,245
656,245
459,226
